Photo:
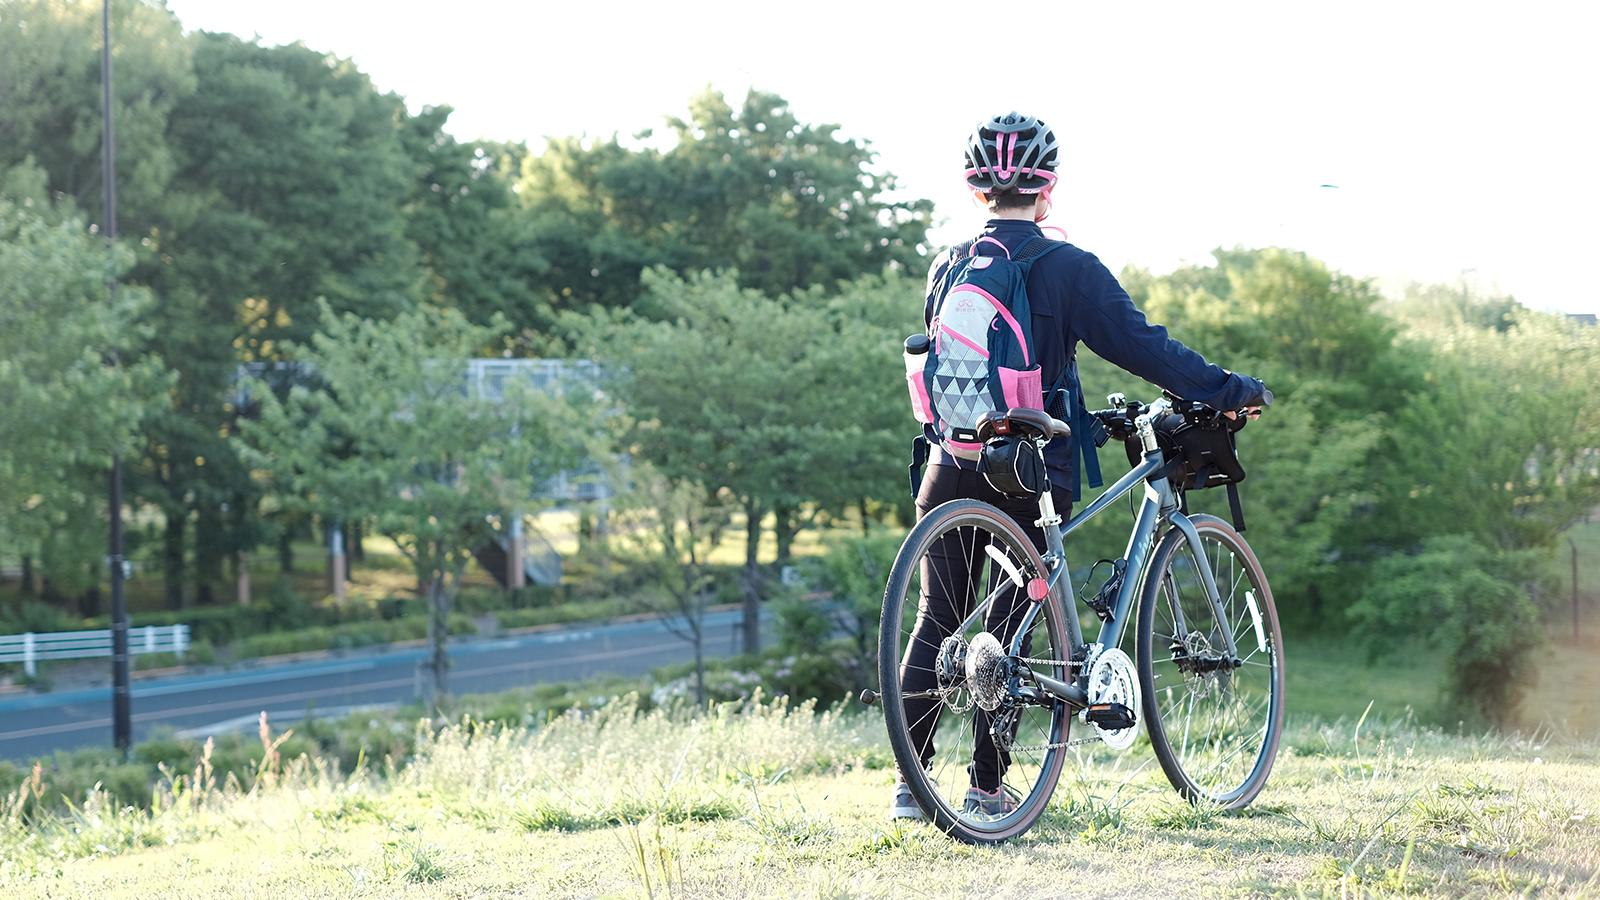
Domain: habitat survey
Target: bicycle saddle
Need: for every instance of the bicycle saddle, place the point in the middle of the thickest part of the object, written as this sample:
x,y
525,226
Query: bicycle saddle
x,y
1029,421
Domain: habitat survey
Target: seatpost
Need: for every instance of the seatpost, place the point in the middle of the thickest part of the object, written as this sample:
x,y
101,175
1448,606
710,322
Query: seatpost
x,y
1048,517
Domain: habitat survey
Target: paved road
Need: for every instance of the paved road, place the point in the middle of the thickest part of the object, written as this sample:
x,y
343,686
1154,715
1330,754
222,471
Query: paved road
x,y
37,724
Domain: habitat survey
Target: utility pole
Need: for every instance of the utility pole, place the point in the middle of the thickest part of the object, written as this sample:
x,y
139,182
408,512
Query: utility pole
x,y
121,717
1574,545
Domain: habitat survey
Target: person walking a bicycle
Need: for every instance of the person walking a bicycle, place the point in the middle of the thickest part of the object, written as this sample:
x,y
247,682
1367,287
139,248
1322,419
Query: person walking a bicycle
x,y
1022,346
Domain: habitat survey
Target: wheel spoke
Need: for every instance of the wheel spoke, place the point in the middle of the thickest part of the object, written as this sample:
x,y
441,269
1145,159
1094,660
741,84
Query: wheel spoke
x,y
955,568
1215,721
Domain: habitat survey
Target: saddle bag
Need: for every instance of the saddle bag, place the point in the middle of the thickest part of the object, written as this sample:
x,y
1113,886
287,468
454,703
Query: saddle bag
x,y
1014,466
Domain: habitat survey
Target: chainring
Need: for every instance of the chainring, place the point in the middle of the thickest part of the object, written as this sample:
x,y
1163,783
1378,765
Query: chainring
x,y
1113,679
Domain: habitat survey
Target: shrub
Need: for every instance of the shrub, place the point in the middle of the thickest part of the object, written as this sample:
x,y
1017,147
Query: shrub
x,y
344,637
854,570
574,611
31,615
199,653
1468,599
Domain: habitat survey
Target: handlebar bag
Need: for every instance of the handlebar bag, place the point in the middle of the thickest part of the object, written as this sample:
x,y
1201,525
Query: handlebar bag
x,y
1200,455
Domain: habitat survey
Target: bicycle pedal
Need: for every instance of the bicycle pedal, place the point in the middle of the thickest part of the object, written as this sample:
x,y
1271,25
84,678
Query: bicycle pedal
x,y
1109,716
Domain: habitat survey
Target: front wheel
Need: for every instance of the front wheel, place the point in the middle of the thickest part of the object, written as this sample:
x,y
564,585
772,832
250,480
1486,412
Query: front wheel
x,y
1214,713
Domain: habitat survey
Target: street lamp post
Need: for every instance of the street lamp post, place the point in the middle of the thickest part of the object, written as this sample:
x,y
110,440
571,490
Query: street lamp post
x,y
121,718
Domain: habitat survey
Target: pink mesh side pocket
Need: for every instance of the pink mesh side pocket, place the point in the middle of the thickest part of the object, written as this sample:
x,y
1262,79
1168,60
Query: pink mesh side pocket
x,y
1022,388
921,407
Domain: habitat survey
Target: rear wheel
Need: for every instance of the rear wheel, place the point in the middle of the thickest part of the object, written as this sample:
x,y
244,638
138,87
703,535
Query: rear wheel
x,y
959,554
1214,719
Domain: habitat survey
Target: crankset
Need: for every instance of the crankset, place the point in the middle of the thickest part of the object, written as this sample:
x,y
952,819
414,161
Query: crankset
x,y
1113,699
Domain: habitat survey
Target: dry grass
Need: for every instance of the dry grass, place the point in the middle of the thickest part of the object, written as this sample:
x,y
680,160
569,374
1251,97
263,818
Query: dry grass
x,y
773,801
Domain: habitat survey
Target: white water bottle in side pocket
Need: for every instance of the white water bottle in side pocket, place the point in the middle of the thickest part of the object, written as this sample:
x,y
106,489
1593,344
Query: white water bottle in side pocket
x,y
916,357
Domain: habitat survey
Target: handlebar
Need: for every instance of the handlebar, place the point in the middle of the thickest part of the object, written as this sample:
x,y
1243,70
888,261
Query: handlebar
x,y
1124,418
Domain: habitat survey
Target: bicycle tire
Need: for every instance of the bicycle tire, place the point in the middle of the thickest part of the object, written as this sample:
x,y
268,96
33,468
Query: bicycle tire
x,y
1173,759
938,523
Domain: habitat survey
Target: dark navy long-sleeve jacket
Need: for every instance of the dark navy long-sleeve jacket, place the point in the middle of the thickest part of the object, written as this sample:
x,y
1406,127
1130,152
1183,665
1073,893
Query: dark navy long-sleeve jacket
x,y
1076,298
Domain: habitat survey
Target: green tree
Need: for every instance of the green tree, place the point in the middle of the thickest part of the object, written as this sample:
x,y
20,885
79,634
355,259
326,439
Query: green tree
x,y
1414,464
65,411
468,229
786,204
390,433
851,382
761,397
1470,600
288,189
252,181
672,529
1501,445
50,101
1340,370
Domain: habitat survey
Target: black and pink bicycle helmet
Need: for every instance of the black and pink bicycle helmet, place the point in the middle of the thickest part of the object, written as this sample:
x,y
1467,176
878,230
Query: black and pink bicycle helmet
x,y
1012,152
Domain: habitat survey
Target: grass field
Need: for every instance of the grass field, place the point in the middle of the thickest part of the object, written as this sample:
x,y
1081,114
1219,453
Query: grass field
x,y
768,801
1376,792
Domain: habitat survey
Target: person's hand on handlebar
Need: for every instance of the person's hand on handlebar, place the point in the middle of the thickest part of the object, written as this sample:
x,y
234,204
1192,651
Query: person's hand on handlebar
x,y
1253,410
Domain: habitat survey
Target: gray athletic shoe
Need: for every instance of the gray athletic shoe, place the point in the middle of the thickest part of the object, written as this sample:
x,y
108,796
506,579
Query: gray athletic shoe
x,y
980,802
904,805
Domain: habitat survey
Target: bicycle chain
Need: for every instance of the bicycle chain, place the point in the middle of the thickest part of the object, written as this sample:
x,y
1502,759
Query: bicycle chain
x,y
1070,664
1048,662
1057,745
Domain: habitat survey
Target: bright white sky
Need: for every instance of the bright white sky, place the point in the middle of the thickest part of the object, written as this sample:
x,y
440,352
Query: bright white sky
x,y
1464,138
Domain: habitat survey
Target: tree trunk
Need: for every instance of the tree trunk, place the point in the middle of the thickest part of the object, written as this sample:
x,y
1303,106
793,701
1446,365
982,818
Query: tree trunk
x,y
286,551
752,578
208,537
358,553
786,525
699,668
338,564
28,585
438,636
241,578
89,603
866,520
172,560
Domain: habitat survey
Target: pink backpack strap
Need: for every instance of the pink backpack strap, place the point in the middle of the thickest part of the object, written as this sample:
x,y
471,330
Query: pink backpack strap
x,y
990,240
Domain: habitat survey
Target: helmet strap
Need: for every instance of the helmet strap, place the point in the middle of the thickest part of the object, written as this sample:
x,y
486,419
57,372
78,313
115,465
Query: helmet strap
x,y
1048,206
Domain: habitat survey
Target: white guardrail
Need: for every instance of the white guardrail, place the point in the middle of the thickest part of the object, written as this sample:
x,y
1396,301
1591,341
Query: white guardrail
x,y
31,647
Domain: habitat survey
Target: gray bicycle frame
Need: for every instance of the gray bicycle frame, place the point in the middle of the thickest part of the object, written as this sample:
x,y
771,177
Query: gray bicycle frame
x,y
1160,507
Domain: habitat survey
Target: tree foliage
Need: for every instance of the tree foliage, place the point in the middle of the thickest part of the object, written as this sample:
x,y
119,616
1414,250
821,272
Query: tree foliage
x,y
65,411
390,432
50,101
792,405
1419,456
468,229
786,204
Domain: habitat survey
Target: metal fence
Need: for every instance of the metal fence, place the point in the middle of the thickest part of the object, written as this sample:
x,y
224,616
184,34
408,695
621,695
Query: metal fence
x,y
31,647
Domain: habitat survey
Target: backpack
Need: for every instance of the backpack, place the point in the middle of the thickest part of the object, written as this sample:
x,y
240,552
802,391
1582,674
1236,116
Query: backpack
x,y
977,354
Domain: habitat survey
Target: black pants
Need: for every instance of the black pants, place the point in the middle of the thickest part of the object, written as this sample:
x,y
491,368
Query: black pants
x,y
948,594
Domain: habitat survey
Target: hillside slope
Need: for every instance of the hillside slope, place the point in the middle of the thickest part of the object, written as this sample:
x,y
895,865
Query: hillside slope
x,y
771,801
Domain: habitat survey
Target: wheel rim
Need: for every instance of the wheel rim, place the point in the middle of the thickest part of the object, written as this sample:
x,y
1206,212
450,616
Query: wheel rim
x,y
1029,774
1217,720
